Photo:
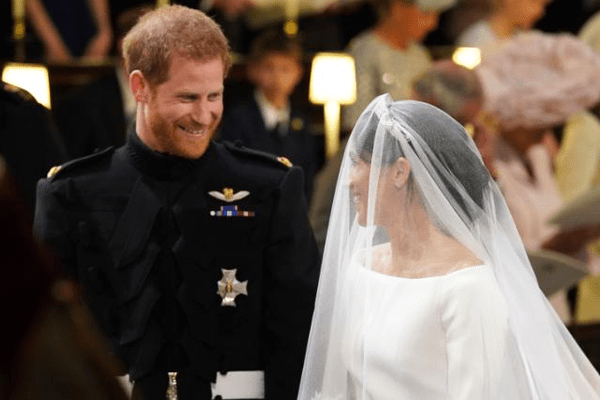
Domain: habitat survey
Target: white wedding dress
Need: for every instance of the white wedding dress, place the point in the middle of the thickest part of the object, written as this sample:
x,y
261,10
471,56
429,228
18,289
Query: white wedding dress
x,y
487,332
429,338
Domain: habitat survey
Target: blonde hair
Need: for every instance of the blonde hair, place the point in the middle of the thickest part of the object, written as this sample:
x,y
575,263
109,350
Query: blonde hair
x,y
166,31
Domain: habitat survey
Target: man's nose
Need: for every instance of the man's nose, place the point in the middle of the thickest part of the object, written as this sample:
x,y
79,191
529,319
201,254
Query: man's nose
x,y
202,114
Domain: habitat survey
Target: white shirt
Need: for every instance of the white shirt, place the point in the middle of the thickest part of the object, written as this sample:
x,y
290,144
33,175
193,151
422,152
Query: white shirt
x,y
270,114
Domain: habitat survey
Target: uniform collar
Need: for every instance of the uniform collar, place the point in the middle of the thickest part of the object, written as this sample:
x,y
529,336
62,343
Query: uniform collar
x,y
159,165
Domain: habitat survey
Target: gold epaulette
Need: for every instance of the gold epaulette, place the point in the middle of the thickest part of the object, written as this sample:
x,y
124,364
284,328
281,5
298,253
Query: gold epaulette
x,y
285,161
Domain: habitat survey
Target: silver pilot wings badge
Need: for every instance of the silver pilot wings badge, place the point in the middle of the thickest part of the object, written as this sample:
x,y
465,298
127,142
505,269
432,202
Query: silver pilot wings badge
x,y
228,195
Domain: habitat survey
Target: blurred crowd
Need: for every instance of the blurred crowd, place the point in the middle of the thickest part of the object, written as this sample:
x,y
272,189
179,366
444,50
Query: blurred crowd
x,y
532,104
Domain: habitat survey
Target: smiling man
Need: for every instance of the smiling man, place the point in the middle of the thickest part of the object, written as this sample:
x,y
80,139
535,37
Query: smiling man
x,y
196,257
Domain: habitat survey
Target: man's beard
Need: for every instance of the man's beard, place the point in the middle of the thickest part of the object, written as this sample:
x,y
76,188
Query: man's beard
x,y
166,136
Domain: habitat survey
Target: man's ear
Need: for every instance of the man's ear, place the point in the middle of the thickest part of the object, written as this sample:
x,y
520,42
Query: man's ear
x,y
401,171
139,86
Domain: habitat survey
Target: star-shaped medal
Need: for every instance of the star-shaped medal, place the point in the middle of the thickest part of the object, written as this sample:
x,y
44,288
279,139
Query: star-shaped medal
x,y
229,287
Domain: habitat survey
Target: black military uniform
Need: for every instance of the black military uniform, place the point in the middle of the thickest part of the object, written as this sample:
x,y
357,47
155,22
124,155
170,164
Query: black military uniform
x,y
153,238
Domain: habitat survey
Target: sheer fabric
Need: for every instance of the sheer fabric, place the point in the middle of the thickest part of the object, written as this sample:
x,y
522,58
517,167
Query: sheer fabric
x,y
442,328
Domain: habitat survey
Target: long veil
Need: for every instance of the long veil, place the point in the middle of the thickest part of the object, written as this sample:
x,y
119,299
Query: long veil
x,y
535,358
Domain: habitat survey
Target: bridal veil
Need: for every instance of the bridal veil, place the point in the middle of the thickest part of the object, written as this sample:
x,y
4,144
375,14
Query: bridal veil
x,y
538,358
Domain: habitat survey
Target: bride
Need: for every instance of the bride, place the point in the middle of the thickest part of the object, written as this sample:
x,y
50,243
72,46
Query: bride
x,y
425,290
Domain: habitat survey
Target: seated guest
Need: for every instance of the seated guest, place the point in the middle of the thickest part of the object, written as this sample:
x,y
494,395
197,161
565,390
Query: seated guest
x,y
507,18
577,171
452,88
535,83
390,55
270,120
457,91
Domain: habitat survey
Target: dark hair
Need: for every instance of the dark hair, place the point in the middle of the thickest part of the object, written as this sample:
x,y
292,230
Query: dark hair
x,y
274,41
444,136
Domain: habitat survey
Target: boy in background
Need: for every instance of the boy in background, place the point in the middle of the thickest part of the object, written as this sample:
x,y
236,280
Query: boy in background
x,y
269,120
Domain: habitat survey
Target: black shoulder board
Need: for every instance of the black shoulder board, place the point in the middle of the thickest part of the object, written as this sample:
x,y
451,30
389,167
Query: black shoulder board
x,y
238,148
79,162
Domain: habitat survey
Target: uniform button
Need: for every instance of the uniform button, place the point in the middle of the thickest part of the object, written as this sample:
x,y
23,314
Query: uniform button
x,y
223,372
218,397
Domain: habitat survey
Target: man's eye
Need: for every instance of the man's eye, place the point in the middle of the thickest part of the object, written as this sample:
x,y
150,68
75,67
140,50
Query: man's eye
x,y
214,96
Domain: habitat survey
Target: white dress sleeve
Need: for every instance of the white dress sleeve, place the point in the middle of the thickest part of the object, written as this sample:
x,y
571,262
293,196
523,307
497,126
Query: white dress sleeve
x,y
474,318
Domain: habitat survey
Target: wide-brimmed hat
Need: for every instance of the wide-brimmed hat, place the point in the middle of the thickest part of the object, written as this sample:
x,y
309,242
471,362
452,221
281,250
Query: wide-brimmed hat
x,y
538,80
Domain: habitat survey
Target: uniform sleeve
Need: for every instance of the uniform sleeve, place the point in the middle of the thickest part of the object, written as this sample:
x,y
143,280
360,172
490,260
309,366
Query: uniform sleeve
x,y
291,275
51,224
474,317
58,225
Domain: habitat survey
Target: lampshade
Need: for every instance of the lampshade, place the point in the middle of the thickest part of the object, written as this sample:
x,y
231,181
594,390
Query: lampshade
x,y
468,57
332,78
332,82
31,77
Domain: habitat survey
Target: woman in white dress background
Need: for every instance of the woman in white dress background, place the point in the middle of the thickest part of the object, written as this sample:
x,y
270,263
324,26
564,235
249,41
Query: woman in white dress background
x,y
426,291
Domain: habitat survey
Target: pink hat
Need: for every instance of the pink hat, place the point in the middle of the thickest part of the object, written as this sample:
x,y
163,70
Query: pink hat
x,y
538,80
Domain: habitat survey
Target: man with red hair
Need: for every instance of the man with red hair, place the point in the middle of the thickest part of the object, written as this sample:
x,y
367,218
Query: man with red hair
x,y
195,256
